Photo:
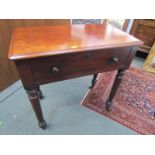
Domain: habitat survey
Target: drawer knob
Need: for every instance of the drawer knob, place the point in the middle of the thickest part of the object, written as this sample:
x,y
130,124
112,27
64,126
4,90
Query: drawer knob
x,y
55,69
114,60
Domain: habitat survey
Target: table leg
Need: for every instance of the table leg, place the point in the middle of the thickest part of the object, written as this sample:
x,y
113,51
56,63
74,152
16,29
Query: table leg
x,y
116,84
41,96
93,80
34,99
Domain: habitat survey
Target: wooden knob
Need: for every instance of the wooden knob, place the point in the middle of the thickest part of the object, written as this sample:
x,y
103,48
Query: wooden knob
x,y
114,60
55,69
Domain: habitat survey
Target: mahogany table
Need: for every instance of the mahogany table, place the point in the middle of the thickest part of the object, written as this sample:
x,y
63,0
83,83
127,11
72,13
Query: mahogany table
x,y
54,53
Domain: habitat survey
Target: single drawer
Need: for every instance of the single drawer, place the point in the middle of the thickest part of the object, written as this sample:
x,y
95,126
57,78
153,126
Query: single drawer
x,y
73,65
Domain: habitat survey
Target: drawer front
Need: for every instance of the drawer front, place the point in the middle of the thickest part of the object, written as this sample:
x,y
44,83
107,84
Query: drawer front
x,y
73,65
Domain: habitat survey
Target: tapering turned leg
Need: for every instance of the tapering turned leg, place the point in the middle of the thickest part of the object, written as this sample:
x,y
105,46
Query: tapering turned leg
x,y
34,99
93,80
41,96
116,84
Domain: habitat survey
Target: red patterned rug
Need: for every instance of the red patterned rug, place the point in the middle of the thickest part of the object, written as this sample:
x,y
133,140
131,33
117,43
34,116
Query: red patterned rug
x,y
134,102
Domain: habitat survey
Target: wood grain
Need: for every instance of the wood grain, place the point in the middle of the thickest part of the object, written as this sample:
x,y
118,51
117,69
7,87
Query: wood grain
x,y
144,29
77,64
54,53
34,42
8,73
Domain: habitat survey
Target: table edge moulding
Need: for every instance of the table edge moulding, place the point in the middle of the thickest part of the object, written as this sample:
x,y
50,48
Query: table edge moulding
x,y
45,54
72,37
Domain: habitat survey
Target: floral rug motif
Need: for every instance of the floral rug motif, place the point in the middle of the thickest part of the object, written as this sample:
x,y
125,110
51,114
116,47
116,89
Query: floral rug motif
x,y
134,102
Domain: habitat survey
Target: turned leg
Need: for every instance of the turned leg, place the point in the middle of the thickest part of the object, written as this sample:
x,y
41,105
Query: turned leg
x,y
34,99
39,93
93,80
116,84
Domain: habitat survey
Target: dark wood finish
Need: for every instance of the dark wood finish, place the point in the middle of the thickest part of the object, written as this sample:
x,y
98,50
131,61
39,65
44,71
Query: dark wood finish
x,y
46,56
34,99
77,64
119,77
94,79
8,72
40,94
144,29
116,84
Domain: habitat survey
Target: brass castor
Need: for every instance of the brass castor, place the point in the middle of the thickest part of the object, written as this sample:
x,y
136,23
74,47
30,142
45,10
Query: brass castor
x,y
42,124
109,105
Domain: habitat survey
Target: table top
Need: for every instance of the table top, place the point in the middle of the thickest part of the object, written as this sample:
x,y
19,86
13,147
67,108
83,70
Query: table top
x,y
41,41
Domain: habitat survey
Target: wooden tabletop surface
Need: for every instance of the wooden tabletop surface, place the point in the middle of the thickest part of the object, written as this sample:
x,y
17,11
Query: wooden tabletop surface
x,y
32,42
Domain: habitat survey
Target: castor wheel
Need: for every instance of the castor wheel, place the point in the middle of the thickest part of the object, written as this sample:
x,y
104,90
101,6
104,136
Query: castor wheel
x,y
42,124
109,105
